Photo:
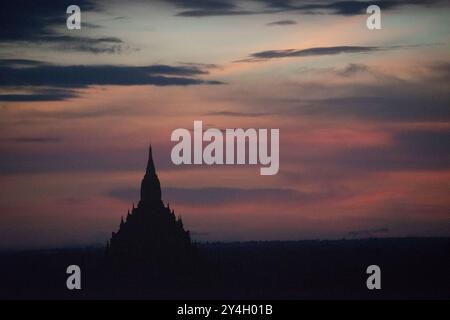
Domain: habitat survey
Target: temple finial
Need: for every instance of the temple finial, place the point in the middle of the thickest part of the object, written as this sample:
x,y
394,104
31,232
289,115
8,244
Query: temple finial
x,y
150,186
150,165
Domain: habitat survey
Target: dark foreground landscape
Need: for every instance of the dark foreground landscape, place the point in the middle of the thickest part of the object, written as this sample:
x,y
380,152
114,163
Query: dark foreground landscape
x,y
411,268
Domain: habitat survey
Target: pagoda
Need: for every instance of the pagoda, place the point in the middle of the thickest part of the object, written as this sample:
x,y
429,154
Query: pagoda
x,y
151,237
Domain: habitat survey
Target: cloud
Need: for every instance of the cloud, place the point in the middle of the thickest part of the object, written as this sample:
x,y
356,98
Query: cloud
x,y
27,20
410,150
35,139
222,195
210,13
377,94
83,75
439,71
201,8
352,69
44,22
19,63
92,25
198,8
202,4
348,8
84,44
282,23
381,106
203,66
315,51
426,144
40,95
29,73
238,114
62,157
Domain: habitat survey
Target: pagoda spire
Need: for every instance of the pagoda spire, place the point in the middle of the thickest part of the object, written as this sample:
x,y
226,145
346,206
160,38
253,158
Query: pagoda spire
x,y
150,164
150,186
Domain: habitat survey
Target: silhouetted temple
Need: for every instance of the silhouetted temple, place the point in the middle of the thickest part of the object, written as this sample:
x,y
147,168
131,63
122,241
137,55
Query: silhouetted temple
x,y
150,237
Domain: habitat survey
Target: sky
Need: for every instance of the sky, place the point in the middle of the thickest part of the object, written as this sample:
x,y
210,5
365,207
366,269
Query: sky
x,y
364,117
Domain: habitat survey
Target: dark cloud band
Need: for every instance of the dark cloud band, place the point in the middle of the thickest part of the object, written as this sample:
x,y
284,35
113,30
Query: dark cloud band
x,y
316,51
196,8
28,73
